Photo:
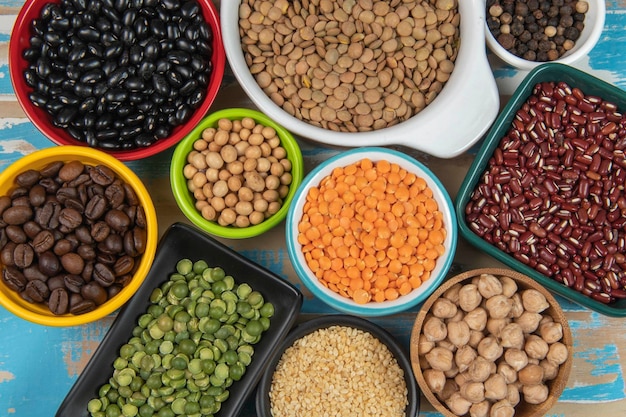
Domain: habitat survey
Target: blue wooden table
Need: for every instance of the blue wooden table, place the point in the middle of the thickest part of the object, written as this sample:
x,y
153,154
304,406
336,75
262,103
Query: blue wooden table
x,y
38,365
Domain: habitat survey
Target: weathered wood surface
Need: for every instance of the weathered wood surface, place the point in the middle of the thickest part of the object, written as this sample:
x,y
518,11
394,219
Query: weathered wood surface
x,y
38,365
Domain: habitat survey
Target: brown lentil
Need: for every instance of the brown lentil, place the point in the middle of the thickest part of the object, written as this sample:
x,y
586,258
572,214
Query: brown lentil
x,y
536,30
358,46
238,172
339,369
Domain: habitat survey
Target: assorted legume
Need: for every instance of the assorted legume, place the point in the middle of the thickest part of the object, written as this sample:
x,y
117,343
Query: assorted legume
x,y
371,231
194,341
489,345
537,30
119,75
552,195
339,371
238,172
350,65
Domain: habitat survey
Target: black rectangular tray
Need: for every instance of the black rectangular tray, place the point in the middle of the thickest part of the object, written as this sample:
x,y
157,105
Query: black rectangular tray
x,y
183,241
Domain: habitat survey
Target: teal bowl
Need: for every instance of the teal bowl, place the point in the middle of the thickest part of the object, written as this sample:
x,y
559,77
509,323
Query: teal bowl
x,y
550,72
185,199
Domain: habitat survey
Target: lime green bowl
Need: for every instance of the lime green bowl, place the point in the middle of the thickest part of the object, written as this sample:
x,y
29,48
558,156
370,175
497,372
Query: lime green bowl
x,y
40,313
185,199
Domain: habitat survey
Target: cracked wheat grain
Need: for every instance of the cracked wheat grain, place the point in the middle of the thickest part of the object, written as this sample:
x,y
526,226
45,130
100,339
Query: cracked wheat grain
x,y
339,371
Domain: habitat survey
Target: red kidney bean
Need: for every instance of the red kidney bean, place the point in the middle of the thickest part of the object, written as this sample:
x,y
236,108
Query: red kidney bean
x,y
553,196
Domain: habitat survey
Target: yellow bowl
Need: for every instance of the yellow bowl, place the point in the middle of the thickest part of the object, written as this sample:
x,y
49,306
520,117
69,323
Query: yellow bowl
x,y
39,313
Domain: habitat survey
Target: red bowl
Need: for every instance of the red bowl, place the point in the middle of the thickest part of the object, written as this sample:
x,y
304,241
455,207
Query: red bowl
x,y
20,40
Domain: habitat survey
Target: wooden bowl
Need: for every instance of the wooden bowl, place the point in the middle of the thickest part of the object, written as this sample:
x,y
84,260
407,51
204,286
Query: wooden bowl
x,y
523,409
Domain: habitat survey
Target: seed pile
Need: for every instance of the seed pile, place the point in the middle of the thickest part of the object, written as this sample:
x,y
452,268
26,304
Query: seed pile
x,y
537,30
339,371
192,343
119,74
350,65
238,172
371,231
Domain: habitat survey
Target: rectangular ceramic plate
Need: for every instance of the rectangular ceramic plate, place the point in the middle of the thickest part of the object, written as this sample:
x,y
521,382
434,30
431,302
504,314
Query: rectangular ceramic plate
x,y
182,241
548,72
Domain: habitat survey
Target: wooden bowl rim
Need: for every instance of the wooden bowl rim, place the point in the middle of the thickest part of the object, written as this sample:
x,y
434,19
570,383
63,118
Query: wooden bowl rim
x,y
556,386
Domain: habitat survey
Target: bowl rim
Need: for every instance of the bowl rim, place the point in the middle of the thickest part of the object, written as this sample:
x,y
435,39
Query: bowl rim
x,y
40,119
555,308
185,200
559,72
67,153
590,36
451,100
337,301
344,320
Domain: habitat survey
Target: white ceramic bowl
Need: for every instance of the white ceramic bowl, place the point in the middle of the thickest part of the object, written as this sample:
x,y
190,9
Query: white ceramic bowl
x,y
344,304
594,24
452,123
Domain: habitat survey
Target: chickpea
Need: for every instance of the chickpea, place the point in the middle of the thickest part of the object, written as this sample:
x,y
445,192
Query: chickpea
x,y
245,194
189,171
231,200
214,160
238,172
256,217
218,204
220,188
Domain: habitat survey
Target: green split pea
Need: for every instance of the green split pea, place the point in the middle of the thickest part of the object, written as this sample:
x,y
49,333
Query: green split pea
x,y
195,339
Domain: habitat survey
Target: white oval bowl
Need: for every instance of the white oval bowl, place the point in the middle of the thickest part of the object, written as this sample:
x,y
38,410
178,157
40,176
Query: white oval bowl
x,y
469,98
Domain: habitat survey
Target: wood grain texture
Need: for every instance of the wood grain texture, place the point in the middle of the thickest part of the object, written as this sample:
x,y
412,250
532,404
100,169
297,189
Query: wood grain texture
x,y
38,365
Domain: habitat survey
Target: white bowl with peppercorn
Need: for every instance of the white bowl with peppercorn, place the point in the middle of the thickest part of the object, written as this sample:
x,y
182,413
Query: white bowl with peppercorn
x,y
526,34
236,173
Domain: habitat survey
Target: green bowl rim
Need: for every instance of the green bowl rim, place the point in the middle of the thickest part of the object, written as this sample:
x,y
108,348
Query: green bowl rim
x,y
186,202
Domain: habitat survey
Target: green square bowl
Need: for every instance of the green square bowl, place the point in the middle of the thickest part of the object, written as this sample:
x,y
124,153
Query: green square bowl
x,y
549,72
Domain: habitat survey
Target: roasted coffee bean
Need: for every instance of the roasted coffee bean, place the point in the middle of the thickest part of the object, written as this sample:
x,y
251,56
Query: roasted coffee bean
x,y
71,170
62,246
87,252
14,278
43,241
118,220
73,282
17,215
124,265
27,178
96,207
36,291
70,218
16,234
100,231
33,272
102,175
59,301
72,263
103,275
113,244
37,195
6,254
23,255
81,306
49,263
94,292
5,203
31,229
51,170
83,235
115,194
55,282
